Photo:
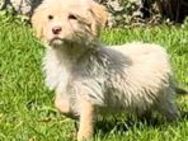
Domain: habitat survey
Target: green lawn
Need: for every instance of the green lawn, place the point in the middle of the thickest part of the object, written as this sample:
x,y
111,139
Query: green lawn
x,y
26,105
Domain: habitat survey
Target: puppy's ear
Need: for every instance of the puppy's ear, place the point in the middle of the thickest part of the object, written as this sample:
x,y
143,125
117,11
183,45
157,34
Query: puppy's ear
x,y
100,16
38,22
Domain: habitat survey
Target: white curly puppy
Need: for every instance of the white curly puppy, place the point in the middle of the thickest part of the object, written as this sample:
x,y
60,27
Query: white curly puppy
x,y
91,79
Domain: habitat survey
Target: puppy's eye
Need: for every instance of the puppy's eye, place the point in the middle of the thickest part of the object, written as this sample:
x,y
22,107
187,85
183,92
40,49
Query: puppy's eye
x,y
72,17
50,17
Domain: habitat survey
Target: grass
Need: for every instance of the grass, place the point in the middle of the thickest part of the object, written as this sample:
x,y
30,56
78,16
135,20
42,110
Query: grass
x,y
26,105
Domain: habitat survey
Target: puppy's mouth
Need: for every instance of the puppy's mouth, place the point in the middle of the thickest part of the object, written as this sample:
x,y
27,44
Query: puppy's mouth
x,y
56,41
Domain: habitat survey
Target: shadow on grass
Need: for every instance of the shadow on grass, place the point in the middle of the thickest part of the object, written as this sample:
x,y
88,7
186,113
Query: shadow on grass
x,y
120,126
184,115
104,127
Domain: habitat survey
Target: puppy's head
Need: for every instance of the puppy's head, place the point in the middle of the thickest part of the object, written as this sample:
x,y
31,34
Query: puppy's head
x,y
62,21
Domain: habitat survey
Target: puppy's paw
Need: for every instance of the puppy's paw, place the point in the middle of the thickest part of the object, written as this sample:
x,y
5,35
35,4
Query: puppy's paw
x,y
84,135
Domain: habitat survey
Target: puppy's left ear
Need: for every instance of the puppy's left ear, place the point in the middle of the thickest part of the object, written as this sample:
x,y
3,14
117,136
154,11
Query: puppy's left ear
x,y
38,21
100,17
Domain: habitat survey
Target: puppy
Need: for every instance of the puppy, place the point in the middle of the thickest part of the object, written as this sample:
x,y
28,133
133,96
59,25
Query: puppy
x,y
90,79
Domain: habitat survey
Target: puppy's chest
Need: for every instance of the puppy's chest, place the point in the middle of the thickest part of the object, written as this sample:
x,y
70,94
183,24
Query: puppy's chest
x,y
55,73
59,73
93,72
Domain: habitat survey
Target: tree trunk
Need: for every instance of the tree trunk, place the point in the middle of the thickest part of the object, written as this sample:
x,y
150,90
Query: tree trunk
x,y
175,10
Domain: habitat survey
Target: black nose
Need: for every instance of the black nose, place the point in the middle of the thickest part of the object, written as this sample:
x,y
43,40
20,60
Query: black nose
x,y
56,29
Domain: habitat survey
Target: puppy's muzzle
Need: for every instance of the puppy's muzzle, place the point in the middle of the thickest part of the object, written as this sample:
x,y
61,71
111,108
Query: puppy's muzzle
x,y
56,41
56,30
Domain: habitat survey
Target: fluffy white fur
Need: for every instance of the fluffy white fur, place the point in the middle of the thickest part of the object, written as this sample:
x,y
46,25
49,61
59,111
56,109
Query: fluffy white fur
x,y
131,78
90,78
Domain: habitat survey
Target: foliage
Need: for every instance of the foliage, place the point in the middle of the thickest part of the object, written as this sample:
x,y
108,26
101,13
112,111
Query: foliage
x,y
8,15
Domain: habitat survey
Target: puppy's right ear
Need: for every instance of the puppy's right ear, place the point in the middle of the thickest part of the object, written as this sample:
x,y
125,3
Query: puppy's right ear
x,y
100,16
38,22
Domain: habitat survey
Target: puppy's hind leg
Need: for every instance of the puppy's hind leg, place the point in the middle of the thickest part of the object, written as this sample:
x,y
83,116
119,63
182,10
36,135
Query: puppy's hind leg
x,y
168,107
145,115
170,111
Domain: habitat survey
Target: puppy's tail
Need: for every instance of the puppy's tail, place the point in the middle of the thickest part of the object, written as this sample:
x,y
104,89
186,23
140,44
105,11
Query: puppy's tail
x,y
181,91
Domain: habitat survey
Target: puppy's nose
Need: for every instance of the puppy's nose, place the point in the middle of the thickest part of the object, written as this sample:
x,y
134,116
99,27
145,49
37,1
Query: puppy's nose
x,y
56,29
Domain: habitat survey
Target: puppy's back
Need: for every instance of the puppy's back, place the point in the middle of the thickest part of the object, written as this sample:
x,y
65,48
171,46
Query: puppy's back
x,y
148,75
146,55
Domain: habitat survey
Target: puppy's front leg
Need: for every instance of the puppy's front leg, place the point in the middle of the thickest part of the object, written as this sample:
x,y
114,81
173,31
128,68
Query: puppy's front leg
x,y
86,121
